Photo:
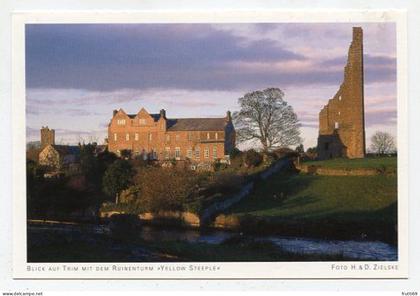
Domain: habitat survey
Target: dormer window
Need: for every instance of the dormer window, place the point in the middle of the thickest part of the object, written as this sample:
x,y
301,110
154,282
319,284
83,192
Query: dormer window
x,y
121,121
142,121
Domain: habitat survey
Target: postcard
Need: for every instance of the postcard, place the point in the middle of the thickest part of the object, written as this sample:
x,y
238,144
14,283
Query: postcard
x,y
265,144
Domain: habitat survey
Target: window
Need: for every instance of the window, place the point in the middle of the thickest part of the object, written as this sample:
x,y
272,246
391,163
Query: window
x,y
177,152
168,138
127,137
142,121
339,98
121,121
177,138
115,137
167,152
339,113
136,137
189,153
336,125
206,153
150,136
214,152
208,136
197,152
216,136
190,136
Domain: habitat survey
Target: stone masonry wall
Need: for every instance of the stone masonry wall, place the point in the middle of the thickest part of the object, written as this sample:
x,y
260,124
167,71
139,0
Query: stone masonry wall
x,y
341,121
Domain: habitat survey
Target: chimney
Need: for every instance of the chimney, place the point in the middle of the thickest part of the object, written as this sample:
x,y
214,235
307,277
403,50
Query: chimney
x,y
114,112
163,113
228,116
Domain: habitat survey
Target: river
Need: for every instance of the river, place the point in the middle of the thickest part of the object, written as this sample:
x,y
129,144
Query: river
x,y
357,250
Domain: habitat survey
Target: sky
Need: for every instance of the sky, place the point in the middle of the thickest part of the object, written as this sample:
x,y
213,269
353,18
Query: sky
x,y
77,74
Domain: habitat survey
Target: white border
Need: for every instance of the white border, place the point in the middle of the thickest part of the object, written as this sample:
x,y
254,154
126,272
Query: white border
x,y
226,270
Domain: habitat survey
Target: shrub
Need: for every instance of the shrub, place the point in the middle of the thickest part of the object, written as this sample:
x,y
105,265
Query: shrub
x,y
165,188
252,158
235,153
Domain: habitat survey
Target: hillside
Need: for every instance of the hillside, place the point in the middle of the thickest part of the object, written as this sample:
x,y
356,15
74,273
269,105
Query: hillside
x,y
328,205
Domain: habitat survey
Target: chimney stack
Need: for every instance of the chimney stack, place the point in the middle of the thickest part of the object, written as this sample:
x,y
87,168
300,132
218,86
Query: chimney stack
x,y
228,116
163,113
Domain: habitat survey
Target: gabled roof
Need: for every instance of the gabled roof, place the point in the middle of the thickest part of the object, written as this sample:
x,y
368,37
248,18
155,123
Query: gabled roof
x,y
196,124
66,149
154,116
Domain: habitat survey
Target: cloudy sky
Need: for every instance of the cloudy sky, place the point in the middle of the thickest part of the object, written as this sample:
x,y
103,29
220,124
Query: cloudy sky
x,y
76,74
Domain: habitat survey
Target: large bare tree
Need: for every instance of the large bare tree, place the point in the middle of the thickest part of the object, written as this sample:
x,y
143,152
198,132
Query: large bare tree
x,y
382,143
266,117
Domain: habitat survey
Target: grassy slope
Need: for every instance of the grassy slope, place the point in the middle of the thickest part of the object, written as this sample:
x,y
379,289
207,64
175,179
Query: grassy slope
x,y
316,197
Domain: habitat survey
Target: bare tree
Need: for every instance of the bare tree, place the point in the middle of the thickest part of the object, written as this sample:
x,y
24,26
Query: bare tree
x,y
266,117
382,143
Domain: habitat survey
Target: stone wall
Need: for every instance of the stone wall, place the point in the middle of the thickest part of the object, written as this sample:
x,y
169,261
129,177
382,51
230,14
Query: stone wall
x,y
341,121
318,170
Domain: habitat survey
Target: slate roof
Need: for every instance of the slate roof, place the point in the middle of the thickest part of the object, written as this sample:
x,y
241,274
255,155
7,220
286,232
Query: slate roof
x,y
196,124
66,150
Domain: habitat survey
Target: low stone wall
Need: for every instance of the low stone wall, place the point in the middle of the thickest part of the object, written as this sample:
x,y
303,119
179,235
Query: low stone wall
x,y
318,170
186,218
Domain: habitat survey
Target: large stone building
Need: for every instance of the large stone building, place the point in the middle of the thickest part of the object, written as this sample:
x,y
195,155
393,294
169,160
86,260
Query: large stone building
x,y
154,136
342,120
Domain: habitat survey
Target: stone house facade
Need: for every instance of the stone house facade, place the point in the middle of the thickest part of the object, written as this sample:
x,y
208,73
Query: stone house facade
x,y
342,120
156,137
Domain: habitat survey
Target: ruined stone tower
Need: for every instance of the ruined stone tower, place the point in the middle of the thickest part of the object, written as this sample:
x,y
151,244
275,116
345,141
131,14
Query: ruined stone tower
x,y
47,136
342,120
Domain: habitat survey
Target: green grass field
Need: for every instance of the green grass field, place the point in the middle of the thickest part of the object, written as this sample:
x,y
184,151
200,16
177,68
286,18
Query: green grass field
x,y
389,163
311,197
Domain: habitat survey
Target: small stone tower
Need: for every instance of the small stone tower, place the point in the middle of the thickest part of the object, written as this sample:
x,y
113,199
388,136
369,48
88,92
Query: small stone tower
x,y
47,136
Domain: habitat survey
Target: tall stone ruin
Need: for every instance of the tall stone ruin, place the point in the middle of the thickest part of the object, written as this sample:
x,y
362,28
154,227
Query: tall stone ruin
x,y
342,120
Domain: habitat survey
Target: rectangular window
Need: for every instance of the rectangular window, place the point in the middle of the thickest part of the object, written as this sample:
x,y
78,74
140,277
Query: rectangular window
x,y
136,137
208,136
177,152
216,136
142,121
336,125
177,138
168,138
121,121
206,153
150,136
115,137
127,137
167,153
197,152
215,152
190,136
189,153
